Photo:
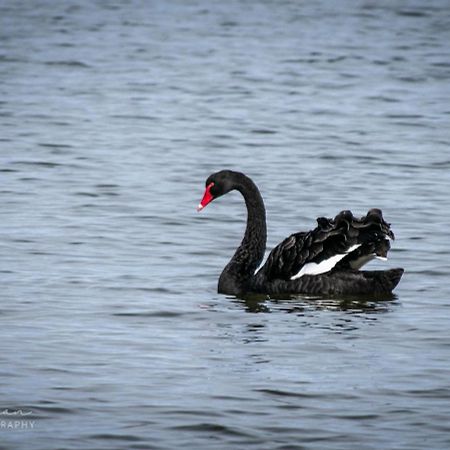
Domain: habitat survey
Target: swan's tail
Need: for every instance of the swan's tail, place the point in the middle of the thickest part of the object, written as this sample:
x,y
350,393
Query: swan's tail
x,y
379,281
393,277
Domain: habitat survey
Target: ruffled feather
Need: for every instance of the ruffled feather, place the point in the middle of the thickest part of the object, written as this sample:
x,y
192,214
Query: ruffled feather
x,y
357,240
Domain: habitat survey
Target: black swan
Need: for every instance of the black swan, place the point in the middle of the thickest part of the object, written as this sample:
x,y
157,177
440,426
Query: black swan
x,y
324,261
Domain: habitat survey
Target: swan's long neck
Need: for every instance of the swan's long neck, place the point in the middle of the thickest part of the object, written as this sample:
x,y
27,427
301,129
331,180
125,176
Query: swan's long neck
x,y
250,253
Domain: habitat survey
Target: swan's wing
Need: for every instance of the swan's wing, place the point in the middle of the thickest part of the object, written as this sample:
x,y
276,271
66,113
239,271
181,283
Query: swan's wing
x,y
345,241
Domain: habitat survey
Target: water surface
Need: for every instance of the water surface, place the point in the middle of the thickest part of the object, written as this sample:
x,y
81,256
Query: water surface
x,y
112,115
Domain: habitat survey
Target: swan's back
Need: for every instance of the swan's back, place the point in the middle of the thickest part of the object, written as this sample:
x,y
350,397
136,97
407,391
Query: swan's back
x,y
345,242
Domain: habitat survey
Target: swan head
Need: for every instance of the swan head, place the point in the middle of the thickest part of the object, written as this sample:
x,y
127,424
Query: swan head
x,y
218,184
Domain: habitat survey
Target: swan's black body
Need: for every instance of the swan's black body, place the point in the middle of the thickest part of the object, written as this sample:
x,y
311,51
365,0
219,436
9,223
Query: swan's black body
x,y
349,241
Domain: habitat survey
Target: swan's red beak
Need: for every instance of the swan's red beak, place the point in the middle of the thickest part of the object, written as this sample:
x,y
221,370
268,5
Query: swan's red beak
x,y
207,197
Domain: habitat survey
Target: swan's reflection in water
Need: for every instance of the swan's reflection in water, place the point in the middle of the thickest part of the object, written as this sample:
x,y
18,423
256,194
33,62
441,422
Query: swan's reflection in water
x,y
293,317
260,303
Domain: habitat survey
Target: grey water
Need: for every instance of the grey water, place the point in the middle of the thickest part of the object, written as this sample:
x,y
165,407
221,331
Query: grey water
x,y
112,115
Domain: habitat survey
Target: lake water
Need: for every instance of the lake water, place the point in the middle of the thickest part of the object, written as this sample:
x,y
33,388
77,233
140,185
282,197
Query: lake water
x,y
112,115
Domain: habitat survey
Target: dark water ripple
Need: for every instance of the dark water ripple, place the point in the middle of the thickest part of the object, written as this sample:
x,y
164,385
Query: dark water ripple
x,y
112,116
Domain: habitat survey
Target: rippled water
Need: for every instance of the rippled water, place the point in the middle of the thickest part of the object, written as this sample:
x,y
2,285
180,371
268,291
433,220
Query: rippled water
x,y
112,116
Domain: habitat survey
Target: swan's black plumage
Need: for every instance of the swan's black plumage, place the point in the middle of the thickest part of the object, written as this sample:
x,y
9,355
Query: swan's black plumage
x,y
330,237
347,240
